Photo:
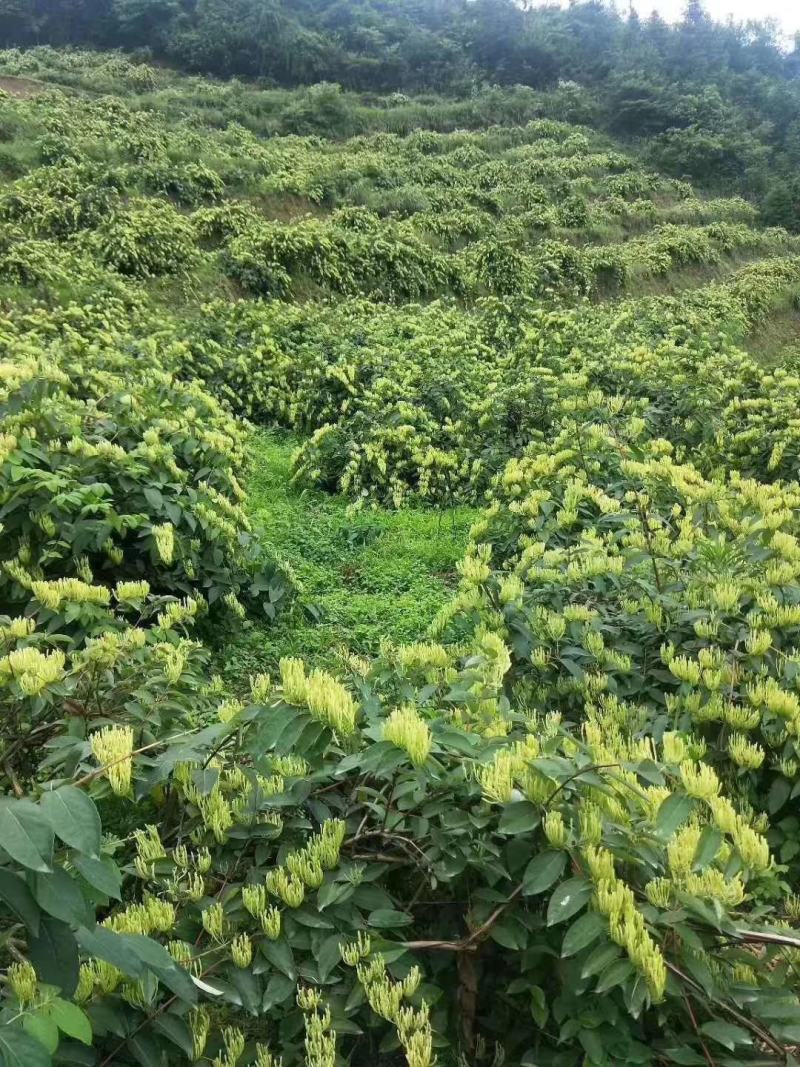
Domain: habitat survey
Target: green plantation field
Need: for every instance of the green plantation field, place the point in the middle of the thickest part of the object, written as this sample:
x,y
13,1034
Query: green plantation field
x,y
399,584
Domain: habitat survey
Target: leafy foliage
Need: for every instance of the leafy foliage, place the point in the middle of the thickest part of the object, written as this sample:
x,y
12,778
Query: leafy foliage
x,y
559,828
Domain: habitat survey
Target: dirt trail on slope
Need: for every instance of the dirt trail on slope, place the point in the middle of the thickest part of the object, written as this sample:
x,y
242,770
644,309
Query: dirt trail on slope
x,y
23,87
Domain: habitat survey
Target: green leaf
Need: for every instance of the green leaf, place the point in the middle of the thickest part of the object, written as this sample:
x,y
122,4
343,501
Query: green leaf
x,y
25,834
112,947
543,870
539,1009
59,895
15,892
54,955
159,962
19,1049
599,958
388,918
583,932
102,874
74,818
615,975
592,1045
279,989
176,1030
509,934
567,899
707,847
71,1020
779,793
248,988
333,893
145,1049
521,817
43,1029
726,1034
673,811
279,954
329,956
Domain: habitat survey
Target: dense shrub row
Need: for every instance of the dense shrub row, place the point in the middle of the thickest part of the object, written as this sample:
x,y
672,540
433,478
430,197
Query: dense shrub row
x,y
430,402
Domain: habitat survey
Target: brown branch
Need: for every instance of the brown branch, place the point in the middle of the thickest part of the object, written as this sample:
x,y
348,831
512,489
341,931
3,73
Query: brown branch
x,y
753,937
708,1057
389,836
9,771
763,1035
470,943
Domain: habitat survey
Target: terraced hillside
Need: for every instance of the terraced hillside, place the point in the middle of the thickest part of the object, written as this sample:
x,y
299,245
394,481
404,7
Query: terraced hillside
x,y
257,386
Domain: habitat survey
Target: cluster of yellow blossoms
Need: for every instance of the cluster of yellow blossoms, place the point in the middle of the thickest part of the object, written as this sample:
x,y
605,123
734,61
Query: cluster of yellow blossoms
x,y
326,698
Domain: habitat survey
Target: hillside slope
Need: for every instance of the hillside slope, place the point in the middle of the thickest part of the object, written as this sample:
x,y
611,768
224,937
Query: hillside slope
x,y
463,733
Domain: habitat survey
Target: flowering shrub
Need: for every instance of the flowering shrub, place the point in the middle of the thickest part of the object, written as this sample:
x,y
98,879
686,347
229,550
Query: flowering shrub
x,y
145,239
431,402
621,576
312,850
113,471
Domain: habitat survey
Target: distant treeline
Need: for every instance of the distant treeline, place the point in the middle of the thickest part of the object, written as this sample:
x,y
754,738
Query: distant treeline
x,y
719,103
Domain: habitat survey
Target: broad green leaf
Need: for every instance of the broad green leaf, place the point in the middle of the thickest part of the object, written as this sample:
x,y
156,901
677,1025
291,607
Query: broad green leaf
x,y
521,817
112,947
388,918
60,896
248,987
583,932
145,1049
539,1009
779,793
618,972
726,1034
279,954
176,1030
509,934
567,899
74,818
43,1029
69,1018
543,870
673,812
334,893
102,874
329,956
19,1049
599,958
54,955
26,835
684,1056
15,892
157,960
592,1045
279,989
707,847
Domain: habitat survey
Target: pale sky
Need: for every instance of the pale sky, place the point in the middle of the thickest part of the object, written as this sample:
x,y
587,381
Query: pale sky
x,y
787,12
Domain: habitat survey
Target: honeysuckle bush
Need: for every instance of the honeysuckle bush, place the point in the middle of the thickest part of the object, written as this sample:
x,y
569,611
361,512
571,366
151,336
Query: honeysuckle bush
x,y
430,402
271,259
145,239
119,662
114,470
614,571
409,867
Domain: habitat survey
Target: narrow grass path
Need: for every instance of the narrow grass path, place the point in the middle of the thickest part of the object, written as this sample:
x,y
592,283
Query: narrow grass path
x,y
362,576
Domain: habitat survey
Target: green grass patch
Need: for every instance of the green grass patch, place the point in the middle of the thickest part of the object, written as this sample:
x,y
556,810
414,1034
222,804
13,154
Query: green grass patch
x,y
364,576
